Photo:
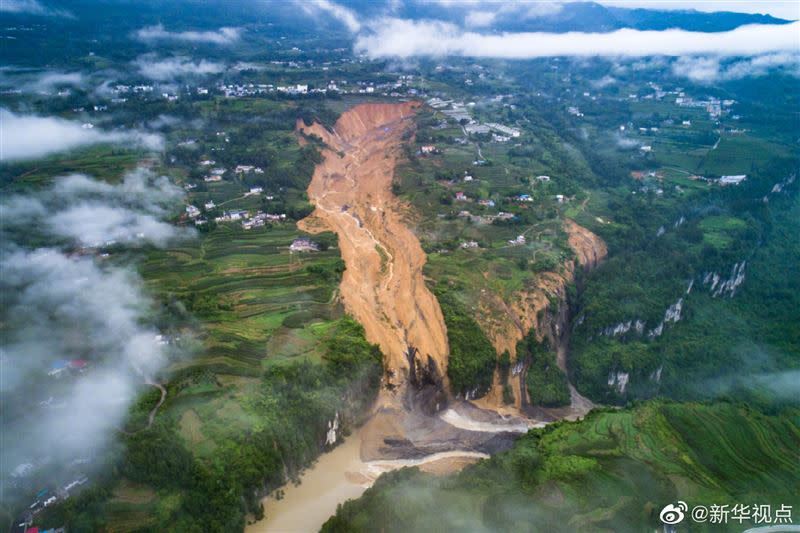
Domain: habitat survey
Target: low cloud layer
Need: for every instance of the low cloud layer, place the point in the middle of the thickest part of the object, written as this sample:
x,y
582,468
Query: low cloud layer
x,y
91,214
405,38
159,33
338,12
31,7
78,343
171,68
30,136
46,82
707,69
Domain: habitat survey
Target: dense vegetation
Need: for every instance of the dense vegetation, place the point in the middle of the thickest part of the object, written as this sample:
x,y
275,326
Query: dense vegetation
x,y
284,421
472,360
613,471
545,382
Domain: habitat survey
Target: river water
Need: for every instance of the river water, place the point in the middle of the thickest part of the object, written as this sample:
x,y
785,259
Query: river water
x,y
337,476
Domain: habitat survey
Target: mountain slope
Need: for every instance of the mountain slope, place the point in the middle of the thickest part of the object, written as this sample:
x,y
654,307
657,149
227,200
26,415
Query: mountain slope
x,y
613,471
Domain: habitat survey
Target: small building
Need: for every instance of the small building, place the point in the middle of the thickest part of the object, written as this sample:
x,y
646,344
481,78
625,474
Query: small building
x,y
732,180
461,197
303,244
427,149
519,241
210,205
469,244
646,148
543,179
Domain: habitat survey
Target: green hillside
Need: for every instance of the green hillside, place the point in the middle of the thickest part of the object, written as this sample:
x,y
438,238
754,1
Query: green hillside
x,y
613,471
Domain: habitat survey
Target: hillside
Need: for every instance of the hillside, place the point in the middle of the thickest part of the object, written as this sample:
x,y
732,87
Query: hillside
x,y
613,471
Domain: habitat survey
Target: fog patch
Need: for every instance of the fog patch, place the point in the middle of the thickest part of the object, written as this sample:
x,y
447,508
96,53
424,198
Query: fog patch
x,y
709,69
78,340
31,7
166,69
344,15
31,136
90,213
225,35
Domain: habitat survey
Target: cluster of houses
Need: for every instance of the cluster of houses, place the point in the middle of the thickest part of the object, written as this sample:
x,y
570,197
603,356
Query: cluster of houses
x,y
260,219
459,112
44,499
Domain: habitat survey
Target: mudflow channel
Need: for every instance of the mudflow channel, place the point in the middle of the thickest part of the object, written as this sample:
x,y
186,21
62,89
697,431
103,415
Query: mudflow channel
x,y
414,421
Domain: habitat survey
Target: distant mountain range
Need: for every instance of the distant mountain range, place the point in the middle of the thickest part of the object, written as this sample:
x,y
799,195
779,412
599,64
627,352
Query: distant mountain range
x,y
297,16
575,16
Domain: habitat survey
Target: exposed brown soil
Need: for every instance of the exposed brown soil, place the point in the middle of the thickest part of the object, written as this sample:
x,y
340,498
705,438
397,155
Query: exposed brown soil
x,y
507,321
384,289
382,286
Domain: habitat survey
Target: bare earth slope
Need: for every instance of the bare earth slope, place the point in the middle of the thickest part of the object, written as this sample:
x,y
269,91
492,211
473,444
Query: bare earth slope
x,y
382,286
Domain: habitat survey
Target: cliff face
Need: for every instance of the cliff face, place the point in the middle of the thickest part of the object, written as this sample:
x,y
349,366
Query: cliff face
x,y
507,320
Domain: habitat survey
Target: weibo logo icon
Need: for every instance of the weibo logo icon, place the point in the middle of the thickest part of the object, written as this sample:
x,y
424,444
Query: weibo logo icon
x,y
673,514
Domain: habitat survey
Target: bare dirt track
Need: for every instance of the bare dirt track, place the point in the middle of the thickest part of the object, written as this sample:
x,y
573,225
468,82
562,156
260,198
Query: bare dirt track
x,y
383,287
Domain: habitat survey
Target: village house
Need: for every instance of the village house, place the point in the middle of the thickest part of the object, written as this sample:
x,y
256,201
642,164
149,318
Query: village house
x,y
428,149
303,244
469,244
486,203
732,180
254,191
192,211
461,197
243,168
542,179
210,205
519,241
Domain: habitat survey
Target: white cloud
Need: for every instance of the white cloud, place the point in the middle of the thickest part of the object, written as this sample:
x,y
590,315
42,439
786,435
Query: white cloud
x,y
339,12
63,306
175,67
404,38
42,82
158,33
92,213
30,7
479,19
707,69
31,136
603,82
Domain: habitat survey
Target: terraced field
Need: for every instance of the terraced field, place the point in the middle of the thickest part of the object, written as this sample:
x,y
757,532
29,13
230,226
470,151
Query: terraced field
x,y
248,288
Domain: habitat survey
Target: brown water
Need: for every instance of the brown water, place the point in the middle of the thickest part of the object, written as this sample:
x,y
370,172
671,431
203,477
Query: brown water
x,y
305,507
